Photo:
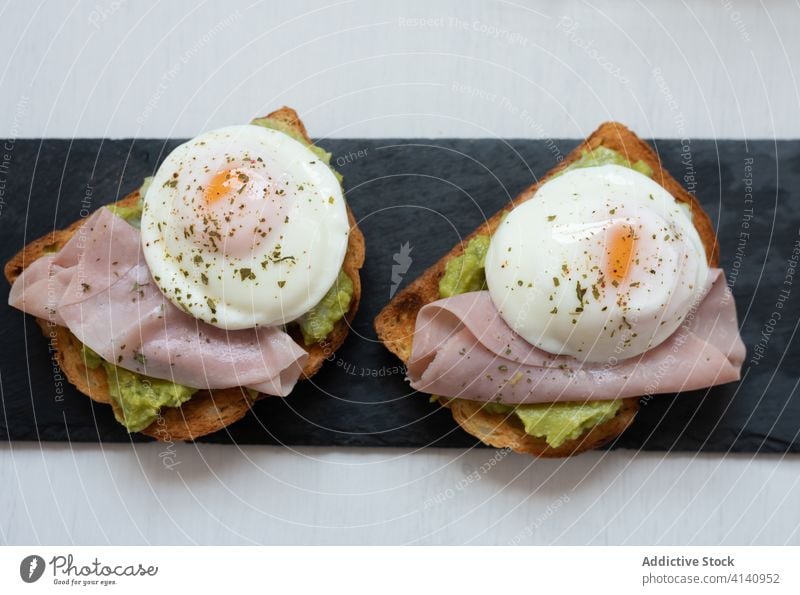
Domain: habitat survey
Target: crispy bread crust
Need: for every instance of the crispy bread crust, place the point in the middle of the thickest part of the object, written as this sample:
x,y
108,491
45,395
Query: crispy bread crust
x,y
395,323
207,411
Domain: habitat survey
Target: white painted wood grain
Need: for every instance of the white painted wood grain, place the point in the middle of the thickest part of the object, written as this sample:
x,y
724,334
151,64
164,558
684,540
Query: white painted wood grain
x,y
507,69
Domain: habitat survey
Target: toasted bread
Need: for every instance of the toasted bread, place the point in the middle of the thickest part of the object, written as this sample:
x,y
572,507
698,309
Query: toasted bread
x,y
207,411
395,323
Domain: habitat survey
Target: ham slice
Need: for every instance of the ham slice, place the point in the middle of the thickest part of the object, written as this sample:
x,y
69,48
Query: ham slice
x,y
99,287
463,348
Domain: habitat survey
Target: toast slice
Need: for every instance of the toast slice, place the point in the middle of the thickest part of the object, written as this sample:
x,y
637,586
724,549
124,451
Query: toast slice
x,y
395,323
207,411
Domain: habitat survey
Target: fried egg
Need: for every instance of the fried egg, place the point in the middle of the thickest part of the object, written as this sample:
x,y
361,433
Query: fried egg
x,y
244,226
601,264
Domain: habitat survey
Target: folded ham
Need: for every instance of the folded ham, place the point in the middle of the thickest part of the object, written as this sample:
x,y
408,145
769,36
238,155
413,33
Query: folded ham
x,y
99,287
463,348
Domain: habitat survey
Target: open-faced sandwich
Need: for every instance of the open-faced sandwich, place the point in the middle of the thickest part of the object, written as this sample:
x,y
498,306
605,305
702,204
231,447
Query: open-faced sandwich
x,y
230,274
598,285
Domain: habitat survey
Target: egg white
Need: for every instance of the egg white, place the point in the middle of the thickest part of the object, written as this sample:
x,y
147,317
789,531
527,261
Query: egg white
x,y
548,271
244,226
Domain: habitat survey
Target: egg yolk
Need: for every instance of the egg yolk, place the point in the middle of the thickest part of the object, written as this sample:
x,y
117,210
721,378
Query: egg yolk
x,y
620,244
239,212
224,182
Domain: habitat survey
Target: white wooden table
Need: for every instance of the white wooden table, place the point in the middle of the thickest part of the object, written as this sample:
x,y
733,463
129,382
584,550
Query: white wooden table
x,y
478,69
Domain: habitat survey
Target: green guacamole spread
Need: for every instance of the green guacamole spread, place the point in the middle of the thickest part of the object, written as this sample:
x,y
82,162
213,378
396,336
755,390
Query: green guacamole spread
x,y
604,156
559,422
465,272
139,398
555,422
317,323
133,215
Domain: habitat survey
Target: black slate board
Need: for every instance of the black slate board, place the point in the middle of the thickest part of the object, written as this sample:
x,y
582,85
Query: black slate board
x,y
427,193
